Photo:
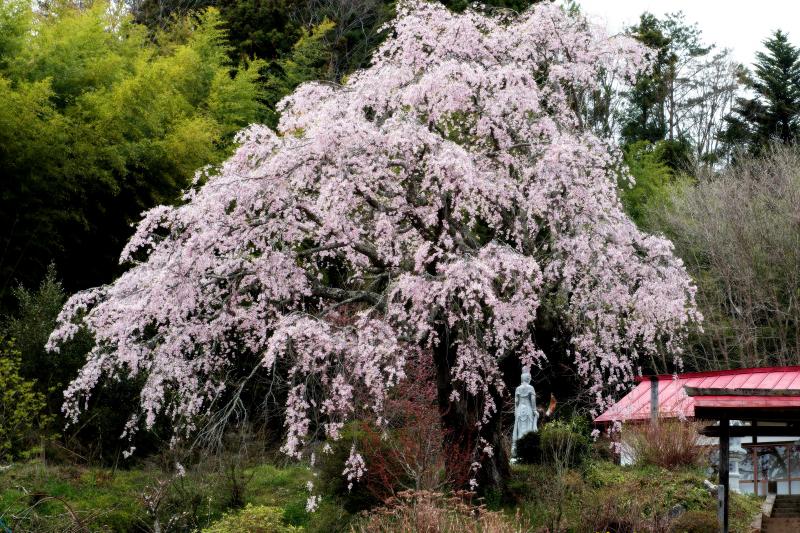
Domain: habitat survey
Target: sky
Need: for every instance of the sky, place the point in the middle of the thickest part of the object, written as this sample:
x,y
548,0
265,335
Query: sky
x,y
735,24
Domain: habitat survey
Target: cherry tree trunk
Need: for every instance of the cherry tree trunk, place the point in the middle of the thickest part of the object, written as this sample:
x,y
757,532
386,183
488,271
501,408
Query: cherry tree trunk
x,y
462,444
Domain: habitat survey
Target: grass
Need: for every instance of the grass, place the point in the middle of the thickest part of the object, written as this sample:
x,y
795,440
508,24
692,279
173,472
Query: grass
x,y
605,496
107,500
111,500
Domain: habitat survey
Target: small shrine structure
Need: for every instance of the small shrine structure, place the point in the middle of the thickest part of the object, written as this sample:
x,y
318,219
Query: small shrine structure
x,y
753,414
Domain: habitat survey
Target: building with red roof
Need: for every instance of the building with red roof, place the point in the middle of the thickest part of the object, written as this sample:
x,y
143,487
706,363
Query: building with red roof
x,y
754,416
678,396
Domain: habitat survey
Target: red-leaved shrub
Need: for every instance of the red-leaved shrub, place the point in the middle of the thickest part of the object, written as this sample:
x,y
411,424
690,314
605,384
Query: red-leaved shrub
x,y
409,454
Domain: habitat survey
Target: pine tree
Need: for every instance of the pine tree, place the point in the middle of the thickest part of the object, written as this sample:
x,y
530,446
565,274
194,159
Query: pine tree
x,y
772,115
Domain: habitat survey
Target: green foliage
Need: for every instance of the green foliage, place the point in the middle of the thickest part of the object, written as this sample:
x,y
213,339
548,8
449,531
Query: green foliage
x,y
651,110
565,441
310,59
774,112
101,123
645,162
600,493
264,29
30,327
14,22
683,486
112,499
646,115
255,519
680,101
603,496
21,407
529,449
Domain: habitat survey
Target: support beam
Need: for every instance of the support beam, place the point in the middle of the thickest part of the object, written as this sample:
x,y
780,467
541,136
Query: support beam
x,y
782,414
754,428
724,465
653,399
753,431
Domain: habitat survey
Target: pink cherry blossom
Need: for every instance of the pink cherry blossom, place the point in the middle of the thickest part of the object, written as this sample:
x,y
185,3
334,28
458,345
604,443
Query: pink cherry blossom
x,y
453,184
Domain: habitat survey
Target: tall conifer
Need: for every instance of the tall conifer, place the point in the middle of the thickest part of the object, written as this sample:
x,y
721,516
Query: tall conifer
x,y
772,113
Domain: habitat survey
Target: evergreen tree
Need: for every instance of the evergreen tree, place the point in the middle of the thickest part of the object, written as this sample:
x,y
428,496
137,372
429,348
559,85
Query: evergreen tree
x,y
772,114
660,104
645,119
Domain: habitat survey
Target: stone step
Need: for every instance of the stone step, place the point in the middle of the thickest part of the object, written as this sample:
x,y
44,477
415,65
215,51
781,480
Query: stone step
x,y
785,513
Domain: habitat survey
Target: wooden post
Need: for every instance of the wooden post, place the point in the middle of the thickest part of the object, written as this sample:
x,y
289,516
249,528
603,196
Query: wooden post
x,y
756,481
724,468
754,425
653,399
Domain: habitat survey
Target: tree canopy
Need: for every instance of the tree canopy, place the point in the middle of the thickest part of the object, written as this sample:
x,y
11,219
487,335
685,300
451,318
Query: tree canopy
x,y
439,202
101,123
738,232
773,113
680,103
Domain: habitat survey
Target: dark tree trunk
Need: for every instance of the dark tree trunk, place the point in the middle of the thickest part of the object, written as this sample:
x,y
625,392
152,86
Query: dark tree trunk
x,y
462,438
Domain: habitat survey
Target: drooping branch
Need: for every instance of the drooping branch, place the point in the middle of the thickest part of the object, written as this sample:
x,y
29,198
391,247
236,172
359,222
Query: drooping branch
x,y
428,207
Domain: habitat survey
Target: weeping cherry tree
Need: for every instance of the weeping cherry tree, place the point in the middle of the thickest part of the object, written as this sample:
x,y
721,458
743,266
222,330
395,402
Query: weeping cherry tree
x,y
453,187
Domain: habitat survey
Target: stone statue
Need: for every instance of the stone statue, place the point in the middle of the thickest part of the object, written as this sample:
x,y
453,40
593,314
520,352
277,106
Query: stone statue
x,y
526,417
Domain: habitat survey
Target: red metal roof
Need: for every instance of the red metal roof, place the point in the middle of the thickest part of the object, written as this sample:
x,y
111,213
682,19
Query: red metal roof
x,y
674,402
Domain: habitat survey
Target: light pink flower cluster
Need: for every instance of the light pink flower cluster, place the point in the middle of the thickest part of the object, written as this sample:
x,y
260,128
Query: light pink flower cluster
x,y
453,186
354,467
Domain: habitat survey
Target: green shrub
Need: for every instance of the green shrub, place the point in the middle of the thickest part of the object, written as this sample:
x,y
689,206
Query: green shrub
x,y
529,449
21,407
30,327
564,442
696,522
358,497
252,519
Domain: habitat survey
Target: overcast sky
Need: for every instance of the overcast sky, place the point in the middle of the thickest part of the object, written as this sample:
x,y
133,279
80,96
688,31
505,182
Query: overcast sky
x,y
735,24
